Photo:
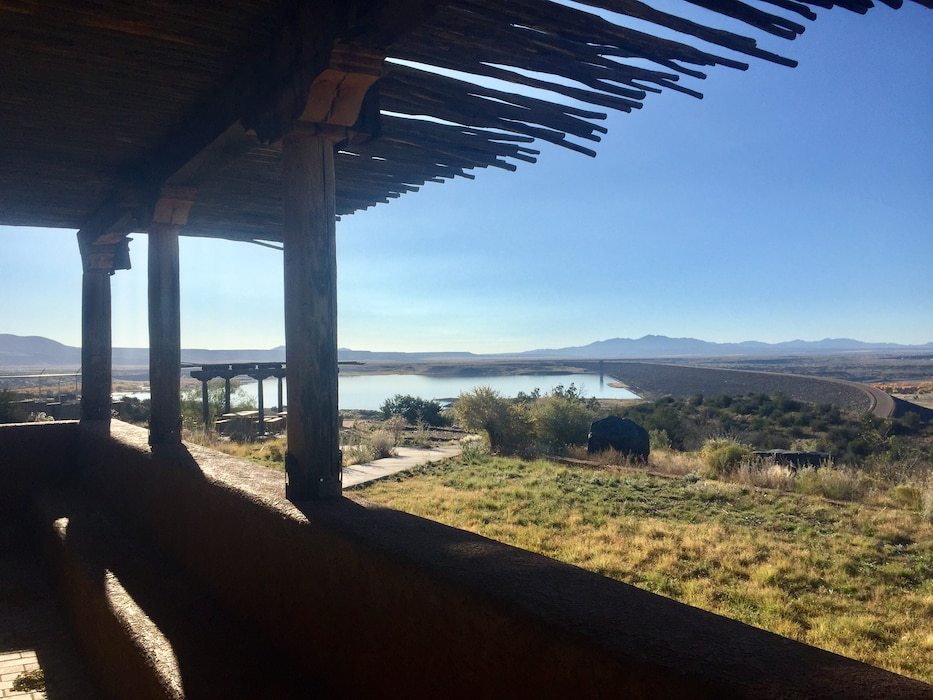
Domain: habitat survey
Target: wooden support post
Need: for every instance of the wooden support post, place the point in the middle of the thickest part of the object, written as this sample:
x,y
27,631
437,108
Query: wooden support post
x,y
313,460
170,214
205,405
164,335
261,428
101,256
96,352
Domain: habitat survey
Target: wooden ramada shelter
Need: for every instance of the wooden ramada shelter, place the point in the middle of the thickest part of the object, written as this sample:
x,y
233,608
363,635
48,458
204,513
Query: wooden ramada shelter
x,y
265,120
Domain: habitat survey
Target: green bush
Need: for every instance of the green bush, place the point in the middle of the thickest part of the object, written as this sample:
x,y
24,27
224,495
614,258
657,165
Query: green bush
x,y
473,449
909,497
659,439
382,445
508,426
724,455
414,410
837,484
562,420
192,402
132,410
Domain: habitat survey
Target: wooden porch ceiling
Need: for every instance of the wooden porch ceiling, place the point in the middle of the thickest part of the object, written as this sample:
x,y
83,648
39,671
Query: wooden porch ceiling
x,y
104,103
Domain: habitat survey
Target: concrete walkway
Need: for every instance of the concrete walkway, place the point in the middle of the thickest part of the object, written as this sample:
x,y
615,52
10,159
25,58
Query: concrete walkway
x,y
406,458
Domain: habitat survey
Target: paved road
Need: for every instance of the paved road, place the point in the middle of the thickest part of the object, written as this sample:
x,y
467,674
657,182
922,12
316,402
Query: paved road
x,y
681,381
407,458
882,404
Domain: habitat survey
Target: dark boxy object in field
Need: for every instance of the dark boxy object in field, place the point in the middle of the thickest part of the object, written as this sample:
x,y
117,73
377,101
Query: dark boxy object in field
x,y
795,459
620,434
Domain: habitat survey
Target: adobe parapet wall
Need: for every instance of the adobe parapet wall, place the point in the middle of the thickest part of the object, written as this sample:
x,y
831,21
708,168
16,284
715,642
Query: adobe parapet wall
x,y
377,601
34,456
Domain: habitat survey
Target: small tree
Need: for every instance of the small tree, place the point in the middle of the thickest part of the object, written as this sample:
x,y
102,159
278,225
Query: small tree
x,y
563,419
192,405
508,426
724,455
414,409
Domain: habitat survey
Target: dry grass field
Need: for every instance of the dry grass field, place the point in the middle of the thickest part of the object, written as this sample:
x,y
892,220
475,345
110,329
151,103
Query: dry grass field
x,y
850,578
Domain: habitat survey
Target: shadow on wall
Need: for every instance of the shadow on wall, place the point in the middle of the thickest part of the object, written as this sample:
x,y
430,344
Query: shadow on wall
x,y
364,600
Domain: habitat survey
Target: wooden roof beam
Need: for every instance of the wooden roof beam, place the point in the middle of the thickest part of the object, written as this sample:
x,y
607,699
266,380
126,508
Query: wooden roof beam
x,y
267,96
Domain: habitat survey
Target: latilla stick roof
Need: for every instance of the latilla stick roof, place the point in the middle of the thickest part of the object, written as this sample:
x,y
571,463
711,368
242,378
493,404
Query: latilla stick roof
x,y
102,105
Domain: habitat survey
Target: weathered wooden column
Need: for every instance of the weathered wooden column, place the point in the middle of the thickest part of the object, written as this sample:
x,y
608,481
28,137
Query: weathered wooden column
x,y
279,374
99,261
171,213
96,351
313,461
260,405
331,115
205,406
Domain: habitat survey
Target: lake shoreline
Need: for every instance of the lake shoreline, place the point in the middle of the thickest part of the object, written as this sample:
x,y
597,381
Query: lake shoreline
x,y
472,368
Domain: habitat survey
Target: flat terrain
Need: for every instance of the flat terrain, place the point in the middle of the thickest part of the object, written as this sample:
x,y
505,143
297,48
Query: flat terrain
x,y
849,578
680,379
910,377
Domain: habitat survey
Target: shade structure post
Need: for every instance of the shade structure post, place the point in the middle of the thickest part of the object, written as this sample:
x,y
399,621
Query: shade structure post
x,y
313,459
205,405
169,215
96,350
164,335
260,401
101,256
280,375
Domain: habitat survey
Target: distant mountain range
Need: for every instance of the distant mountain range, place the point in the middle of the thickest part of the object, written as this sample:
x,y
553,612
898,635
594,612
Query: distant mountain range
x,y
658,346
36,351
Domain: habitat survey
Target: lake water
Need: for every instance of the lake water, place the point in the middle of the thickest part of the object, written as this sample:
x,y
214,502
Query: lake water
x,y
369,391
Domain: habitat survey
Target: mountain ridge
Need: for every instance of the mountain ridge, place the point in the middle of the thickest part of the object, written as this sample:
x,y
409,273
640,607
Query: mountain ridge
x,y
659,346
38,351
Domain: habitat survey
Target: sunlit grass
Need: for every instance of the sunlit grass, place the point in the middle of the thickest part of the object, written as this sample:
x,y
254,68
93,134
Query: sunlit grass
x,y
850,578
269,452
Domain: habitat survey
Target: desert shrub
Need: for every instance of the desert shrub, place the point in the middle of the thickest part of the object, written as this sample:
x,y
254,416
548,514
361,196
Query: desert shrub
x,y
356,454
926,510
414,410
381,444
561,420
133,410
473,449
670,461
766,475
614,457
192,406
909,497
508,426
396,425
776,422
199,436
837,484
722,456
659,439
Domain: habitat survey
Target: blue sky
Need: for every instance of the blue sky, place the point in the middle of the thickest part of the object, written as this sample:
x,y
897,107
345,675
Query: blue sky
x,y
789,203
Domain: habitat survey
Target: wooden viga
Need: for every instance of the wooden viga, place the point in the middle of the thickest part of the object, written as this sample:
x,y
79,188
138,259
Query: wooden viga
x,y
333,115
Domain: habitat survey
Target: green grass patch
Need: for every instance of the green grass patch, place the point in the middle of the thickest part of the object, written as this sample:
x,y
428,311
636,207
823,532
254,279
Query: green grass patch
x,y
849,578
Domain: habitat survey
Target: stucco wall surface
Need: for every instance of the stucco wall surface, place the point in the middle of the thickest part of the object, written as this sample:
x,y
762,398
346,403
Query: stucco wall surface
x,y
372,600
